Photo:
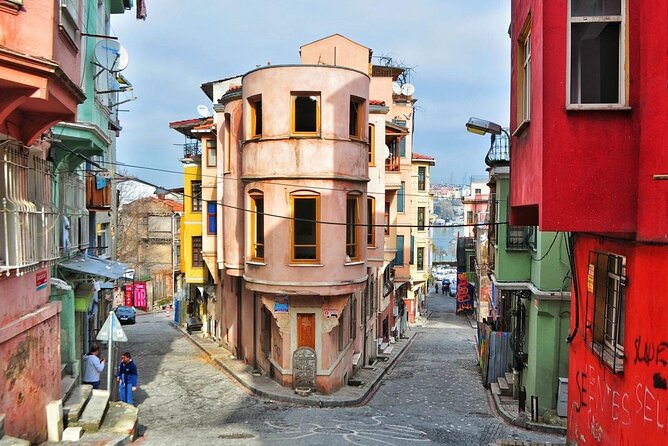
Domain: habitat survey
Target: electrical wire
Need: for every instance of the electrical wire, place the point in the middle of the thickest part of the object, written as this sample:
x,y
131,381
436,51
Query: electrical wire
x,y
548,249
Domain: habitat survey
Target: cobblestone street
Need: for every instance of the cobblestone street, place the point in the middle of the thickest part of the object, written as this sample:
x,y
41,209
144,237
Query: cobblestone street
x,y
431,395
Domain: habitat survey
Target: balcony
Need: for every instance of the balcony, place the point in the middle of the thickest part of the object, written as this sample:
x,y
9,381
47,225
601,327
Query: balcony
x,y
98,193
499,151
192,150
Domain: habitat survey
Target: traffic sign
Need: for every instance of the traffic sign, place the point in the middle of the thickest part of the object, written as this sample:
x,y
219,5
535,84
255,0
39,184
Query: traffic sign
x,y
112,325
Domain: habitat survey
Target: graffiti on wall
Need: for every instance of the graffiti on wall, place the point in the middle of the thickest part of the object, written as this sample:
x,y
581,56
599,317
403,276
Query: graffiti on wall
x,y
464,298
644,405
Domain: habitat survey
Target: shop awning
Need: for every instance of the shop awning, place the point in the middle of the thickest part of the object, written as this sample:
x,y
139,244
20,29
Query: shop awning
x,y
94,266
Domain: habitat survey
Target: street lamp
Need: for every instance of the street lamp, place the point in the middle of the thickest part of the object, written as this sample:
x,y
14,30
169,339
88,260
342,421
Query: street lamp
x,y
497,153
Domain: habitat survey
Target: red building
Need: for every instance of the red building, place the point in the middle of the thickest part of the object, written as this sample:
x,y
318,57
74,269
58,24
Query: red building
x,y
589,130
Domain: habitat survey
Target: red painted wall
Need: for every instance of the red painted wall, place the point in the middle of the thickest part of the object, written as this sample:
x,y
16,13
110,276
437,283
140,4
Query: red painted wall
x,y
565,162
629,408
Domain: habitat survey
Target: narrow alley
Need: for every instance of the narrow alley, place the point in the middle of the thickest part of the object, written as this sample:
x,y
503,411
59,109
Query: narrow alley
x,y
431,395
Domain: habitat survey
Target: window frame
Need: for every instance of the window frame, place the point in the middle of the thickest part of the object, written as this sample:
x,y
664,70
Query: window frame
x,y
304,196
196,256
69,20
210,150
372,145
356,103
422,178
211,217
253,102
399,259
623,80
196,196
370,212
401,198
421,215
607,342
353,228
293,101
419,258
228,143
523,104
256,223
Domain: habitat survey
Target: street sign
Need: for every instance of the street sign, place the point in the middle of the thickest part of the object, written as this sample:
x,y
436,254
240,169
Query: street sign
x,y
113,325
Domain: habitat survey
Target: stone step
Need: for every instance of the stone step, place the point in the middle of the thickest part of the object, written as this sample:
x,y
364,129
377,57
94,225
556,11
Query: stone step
x,y
93,413
12,441
503,385
495,388
67,385
121,418
76,402
388,350
510,378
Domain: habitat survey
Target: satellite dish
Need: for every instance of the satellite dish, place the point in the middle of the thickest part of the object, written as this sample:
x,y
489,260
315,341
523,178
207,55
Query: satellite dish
x,y
203,111
386,151
110,55
396,88
407,89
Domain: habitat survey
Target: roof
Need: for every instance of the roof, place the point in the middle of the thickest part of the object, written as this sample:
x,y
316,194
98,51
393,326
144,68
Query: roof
x,y
175,205
333,35
376,102
94,266
207,87
188,125
421,157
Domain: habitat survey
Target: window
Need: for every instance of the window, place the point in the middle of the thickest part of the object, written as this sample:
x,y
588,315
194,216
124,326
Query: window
x,y
255,103
228,143
412,251
197,251
306,113
517,237
356,117
386,218
402,147
370,232
422,176
211,223
196,195
341,330
401,198
420,218
478,191
469,217
257,226
372,145
420,258
524,81
69,19
399,257
597,52
609,294
305,228
352,227
211,153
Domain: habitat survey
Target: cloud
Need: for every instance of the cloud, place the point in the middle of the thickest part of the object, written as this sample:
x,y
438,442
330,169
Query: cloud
x,y
460,51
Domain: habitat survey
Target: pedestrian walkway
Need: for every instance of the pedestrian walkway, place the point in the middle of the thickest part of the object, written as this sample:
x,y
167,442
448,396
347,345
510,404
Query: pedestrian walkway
x,y
262,385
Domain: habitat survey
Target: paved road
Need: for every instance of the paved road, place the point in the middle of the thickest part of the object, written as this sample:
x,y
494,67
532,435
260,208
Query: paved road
x,y
433,395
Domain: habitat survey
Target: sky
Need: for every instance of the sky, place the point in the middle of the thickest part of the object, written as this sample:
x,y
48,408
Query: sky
x,y
459,51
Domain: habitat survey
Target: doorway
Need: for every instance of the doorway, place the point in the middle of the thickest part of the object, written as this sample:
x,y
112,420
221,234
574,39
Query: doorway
x,y
306,330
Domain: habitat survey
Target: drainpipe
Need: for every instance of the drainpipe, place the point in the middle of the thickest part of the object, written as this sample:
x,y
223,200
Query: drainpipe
x,y
254,331
239,319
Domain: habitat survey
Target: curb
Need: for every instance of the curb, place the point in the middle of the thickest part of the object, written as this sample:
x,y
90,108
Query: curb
x,y
529,425
303,401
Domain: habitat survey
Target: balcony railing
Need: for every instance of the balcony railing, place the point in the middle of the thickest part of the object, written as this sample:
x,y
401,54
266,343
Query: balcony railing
x,y
518,238
192,150
499,151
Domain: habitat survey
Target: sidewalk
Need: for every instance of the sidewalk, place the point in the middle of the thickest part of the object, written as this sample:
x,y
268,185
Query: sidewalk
x,y
266,387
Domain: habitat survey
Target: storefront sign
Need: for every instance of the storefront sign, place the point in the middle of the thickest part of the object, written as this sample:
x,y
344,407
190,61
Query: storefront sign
x,y
590,278
281,304
140,294
128,295
330,312
41,279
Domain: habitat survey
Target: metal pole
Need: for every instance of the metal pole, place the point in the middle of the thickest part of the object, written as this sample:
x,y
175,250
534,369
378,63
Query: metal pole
x,y
110,352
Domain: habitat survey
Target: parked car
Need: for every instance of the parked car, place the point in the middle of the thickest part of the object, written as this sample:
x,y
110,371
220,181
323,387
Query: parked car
x,y
126,315
453,289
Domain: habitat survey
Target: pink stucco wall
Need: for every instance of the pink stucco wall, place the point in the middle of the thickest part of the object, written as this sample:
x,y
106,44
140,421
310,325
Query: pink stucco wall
x,y
336,50
29,356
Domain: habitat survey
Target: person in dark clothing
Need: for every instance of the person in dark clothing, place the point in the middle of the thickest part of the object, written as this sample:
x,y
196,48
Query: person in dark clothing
x,y
436,287
127,378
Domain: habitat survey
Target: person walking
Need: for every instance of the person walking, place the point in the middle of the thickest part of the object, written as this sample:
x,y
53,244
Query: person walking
x,y
436,286
127,378
92,367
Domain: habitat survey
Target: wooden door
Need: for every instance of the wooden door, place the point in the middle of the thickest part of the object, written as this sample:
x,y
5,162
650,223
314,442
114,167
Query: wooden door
x,y
306,330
